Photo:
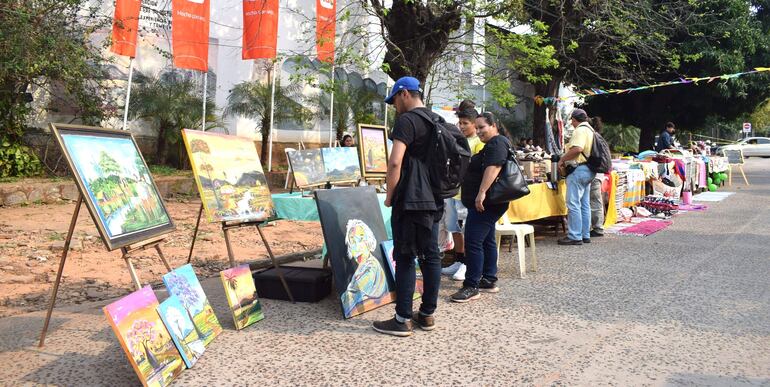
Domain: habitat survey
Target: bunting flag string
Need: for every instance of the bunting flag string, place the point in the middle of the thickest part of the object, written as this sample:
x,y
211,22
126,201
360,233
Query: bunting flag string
x,y
590,92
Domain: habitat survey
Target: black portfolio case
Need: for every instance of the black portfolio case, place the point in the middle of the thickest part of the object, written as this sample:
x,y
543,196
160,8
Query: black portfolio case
x,y
307,284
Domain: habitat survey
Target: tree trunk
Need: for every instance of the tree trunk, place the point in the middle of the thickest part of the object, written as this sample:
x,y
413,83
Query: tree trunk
x,y
150,357
162,151
549,89
265,140
197,330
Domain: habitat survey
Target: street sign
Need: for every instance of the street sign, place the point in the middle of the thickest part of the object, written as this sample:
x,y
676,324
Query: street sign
x,y
747,127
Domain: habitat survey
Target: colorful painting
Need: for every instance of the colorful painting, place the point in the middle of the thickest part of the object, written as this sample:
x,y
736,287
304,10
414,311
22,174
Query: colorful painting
x,y
242,296
373,149
230,180
141,333
182,330
353,233
387,250
341,164
183,284
308,168
115,183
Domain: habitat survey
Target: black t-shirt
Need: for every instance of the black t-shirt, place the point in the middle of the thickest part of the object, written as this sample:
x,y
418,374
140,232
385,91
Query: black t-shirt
x,y
495,152
413,131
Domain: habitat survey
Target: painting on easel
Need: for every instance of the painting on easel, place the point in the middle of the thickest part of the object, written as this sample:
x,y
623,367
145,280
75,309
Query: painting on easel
x,y
144,338
229,175
341,164
353,232
115,183
308,168
373,150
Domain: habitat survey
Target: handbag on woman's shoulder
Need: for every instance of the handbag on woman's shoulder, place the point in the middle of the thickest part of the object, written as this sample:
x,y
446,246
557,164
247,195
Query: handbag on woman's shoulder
x,y
510,184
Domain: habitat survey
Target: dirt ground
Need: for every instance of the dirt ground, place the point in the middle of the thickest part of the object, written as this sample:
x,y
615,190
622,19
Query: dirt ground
x,y
32,239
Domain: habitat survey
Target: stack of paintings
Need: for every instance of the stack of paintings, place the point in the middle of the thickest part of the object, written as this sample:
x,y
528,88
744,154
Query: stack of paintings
x,y
229,175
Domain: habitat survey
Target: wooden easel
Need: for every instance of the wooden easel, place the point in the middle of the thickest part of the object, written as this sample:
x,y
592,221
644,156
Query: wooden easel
x,y
126,250
226,227
735,159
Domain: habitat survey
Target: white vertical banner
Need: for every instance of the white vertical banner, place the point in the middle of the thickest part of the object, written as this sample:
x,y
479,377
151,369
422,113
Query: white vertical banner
x,y
331,112
272,118
128,92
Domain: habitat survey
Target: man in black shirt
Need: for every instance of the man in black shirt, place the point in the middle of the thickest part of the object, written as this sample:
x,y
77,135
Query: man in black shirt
x,y
416,211
665,141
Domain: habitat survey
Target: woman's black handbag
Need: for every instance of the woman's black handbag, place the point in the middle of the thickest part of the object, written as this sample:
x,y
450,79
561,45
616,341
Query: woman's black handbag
x,y
510,183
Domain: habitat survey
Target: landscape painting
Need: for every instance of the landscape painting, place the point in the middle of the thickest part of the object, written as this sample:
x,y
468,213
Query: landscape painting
x,y
115,184
387,249
341,164
144,338
183,284
229,175
242,296
373,149
308,168
182,330
353,233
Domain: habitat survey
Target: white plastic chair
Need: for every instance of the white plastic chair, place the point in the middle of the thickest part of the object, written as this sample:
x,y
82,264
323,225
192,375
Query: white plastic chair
x,y
505,227
289,174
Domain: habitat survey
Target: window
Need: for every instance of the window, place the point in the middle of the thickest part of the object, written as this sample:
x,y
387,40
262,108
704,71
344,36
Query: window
x,y
753,141
763,141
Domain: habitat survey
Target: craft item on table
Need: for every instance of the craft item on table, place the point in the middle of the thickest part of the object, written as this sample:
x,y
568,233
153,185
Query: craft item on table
x,y
660,205
341,164
646,228
182,330
146,341
182,283
712,196
353,230
373,150
387,249
307,167
115,184
229,176
242,296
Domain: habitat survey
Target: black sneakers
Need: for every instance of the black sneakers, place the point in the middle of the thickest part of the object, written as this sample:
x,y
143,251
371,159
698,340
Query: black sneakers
x,y
466,294
393,327
488,286
426,323
586,240
569,242
596,234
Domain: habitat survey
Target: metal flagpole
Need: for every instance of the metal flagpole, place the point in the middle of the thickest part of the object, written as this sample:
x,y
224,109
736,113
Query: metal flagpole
x,y
205,90
331,111
128,92
272,115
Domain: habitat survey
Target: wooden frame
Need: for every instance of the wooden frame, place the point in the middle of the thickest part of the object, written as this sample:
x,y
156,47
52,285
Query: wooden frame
x,y
294,171
733,161
362,151
123,239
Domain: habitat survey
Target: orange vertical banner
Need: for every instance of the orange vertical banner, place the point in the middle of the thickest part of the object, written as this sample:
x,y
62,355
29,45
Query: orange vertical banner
x,y
326,29
260,29
190,34
125,26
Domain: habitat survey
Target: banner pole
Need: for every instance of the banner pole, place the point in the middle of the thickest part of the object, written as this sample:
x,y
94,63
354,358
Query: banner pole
x,y
205,90
128,92
331,111
272,118
387,93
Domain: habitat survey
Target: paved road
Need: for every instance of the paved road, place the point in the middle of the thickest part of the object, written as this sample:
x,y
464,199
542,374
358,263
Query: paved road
x,y
687,306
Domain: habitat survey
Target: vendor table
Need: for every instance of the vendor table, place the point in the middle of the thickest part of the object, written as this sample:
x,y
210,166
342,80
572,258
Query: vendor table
x,y
542,202
294,206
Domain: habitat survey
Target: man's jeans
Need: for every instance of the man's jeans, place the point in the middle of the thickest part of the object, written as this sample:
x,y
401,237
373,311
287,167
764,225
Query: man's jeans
x,y
579,203
481,246
430,264
597,206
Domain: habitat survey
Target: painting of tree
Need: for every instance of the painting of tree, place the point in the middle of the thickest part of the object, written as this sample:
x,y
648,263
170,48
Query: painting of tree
x,y
241,296
183,284
140,338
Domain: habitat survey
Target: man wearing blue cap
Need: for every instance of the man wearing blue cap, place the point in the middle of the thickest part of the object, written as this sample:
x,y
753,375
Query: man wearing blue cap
x,y
416,210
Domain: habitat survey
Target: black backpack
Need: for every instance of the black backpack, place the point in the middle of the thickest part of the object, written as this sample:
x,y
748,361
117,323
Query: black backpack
x,y
448,158
600,159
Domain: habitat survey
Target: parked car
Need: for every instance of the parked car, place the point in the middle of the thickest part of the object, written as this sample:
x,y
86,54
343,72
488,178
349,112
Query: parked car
x,y
751,146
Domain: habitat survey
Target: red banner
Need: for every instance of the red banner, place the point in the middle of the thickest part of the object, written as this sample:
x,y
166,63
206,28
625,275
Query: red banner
x,y
190,34
326,28
260,29
125,25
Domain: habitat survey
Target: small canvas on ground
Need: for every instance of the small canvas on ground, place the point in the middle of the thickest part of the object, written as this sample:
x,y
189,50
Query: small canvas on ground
x,y
183,284
242,296
387,249
230,180
353,230
182,330
141,333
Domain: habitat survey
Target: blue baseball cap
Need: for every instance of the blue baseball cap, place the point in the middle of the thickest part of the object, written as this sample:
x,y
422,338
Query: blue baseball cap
x,y
403,83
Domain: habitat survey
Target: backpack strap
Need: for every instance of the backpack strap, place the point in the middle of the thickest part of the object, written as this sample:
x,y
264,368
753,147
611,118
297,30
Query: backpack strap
x,y
435,121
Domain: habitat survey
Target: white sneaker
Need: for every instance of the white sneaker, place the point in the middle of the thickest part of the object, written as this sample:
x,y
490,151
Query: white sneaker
x,y
451,269
459,274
